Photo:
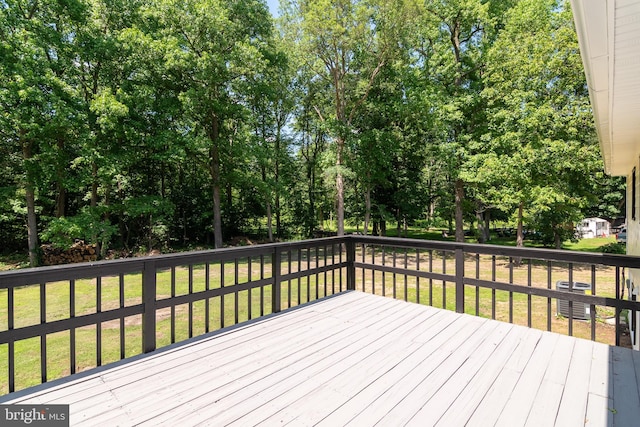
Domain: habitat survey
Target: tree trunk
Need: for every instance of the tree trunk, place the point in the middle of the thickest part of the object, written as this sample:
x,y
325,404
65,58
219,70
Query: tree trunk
x,y
214,170
277,186
519,234
367,210
556,238
94,184
30,198
311,183
520,231
61,190
487,225
481,227
340,189
269,222
459,217
61,199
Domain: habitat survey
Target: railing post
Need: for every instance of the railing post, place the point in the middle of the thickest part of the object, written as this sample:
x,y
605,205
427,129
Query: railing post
x,y
276,265
149,302
459,280
351,259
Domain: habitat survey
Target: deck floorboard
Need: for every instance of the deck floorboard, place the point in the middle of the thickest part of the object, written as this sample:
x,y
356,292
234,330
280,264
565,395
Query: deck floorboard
x,y
359,359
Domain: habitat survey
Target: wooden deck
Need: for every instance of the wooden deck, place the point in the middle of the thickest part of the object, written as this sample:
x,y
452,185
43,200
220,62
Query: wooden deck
x,y
358,359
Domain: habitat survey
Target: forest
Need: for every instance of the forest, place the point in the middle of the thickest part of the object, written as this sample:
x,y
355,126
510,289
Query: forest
x,y
157,124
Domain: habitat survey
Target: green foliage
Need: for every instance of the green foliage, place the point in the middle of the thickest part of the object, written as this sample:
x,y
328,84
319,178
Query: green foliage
x,y
614,248
88,226
164,123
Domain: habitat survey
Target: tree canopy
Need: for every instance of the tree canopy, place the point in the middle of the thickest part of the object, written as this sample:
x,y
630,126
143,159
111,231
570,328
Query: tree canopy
x,y
144,124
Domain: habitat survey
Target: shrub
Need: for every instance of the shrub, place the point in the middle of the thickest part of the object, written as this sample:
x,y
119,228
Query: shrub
x,y
614,248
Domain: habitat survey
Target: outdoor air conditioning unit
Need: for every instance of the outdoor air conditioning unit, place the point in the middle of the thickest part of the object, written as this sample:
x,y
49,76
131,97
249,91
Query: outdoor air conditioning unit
x,y
580,310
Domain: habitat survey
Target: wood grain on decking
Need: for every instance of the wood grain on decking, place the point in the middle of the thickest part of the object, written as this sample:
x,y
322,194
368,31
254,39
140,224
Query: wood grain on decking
x,y
358,359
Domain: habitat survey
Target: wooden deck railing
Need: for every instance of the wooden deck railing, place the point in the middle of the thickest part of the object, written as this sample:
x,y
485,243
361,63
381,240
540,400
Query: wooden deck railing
x,y
517,285
55,321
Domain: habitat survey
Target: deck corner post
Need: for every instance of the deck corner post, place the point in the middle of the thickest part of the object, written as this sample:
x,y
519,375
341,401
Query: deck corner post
x,y
149,303
276,265
459,280
351,268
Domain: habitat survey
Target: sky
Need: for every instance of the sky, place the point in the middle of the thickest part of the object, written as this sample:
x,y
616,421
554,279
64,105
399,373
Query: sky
x,y
273,6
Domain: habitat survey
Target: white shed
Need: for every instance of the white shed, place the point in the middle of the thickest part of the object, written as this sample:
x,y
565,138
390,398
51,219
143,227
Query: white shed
x,y
593,227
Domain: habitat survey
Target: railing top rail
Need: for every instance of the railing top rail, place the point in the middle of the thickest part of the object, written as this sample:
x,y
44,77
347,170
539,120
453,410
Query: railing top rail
x,y
509,251
131,265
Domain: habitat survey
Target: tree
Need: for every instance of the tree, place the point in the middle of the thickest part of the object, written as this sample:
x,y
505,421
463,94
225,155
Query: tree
x,y
34,96
539,122
347,47
451,48
216,48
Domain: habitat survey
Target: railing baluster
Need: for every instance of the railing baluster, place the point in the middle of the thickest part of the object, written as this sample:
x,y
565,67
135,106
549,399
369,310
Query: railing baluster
x,y
373,272
430,280
275,273
418,277
11,347
324,255
122,302
477,287
362,269
249,300
529,295
262,287
190,302
236,296
207,286
549,270
173,307
384,279
510,292
72,332
617,308
405,276
289,281
394,274
43,337
592,307
570,300
340,261
309,276
222,319
459,254
333,272
493,291
99,324
317,275
300,279
444,282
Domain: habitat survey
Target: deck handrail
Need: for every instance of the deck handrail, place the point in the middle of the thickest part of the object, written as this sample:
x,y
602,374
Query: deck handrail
x,y
283,269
